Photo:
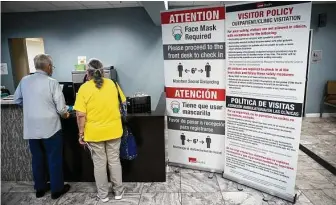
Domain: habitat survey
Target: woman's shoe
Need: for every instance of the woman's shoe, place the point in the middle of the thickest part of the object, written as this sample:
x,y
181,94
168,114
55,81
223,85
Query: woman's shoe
x,y
103,200
118,195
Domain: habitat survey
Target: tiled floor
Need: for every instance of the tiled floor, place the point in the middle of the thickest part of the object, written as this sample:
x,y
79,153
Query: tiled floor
x,y
314,185
319,136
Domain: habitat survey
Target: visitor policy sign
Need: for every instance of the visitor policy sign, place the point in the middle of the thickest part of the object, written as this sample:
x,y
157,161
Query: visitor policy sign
x,y
194,68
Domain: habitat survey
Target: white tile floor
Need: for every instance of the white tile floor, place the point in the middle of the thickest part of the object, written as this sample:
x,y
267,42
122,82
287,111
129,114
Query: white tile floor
x,y
319,136
315,185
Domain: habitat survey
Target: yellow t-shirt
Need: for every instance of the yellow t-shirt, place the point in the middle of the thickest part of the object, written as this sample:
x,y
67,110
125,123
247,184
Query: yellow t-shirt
x,y
103,120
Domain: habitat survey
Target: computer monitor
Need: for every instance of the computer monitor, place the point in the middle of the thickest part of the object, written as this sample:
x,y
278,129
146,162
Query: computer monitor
x,y
68,92
79,77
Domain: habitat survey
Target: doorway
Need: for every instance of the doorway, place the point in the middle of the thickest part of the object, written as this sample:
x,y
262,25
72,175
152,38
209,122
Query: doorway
x,y
22,52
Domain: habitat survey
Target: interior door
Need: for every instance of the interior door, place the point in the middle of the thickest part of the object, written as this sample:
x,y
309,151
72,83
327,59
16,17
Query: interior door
x,y
19,59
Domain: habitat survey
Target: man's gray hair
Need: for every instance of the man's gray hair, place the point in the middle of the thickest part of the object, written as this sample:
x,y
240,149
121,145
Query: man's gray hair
x,y
42,60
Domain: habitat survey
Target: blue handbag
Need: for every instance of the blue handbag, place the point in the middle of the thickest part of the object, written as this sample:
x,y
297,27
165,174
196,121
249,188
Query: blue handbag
x,y
128,147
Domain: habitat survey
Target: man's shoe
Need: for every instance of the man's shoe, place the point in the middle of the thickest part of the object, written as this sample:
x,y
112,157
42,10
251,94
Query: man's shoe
x,y
41,193
57,195
118,195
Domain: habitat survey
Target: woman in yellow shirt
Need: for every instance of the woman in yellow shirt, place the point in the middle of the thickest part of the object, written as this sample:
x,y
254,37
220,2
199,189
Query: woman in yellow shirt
x,y
99,122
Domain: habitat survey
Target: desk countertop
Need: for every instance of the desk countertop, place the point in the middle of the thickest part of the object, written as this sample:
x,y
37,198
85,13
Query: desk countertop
x,y
159,111
7,100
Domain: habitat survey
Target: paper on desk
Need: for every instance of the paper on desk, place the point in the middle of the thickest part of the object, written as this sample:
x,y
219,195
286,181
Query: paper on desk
x,y
4,69
9,97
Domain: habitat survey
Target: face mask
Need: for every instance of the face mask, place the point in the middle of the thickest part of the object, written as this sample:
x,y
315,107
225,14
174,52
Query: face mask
x,y
177,37
175,106
177,33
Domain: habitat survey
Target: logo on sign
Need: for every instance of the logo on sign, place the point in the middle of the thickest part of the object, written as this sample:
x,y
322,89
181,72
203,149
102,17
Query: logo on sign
x,y
263,5
175,106
259,5
177,33
194,160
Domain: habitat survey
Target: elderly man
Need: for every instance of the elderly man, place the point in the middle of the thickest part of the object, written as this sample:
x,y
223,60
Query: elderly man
x,y
43,103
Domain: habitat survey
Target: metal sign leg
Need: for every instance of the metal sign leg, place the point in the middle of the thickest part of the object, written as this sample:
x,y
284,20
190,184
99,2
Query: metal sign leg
x,y
240,187
211,175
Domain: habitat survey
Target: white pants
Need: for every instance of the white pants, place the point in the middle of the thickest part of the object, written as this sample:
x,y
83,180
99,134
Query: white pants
x,y
103,154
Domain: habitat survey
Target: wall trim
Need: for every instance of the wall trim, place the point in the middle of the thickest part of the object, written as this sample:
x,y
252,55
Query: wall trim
x,y
308,115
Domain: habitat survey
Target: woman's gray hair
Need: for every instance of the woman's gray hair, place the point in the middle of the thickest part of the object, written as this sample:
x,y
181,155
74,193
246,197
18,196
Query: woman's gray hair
x,y
41,61
95,70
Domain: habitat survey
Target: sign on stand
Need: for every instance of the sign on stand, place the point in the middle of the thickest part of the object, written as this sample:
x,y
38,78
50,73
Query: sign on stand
x,y
266,52
194,68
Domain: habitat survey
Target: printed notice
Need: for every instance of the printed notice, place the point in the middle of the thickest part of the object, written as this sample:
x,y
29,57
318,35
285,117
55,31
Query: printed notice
x,y
316,56
194,63
266,55
4,69
81,60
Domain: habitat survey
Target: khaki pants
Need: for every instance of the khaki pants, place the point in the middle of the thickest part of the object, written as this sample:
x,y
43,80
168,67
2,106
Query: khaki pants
x,y
103,154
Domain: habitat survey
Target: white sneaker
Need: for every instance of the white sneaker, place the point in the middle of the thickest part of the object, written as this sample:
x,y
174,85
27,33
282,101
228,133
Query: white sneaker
x,y
103,200
119,194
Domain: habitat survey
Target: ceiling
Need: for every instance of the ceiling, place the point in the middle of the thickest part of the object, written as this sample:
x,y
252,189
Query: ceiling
x,y
198,3
34,6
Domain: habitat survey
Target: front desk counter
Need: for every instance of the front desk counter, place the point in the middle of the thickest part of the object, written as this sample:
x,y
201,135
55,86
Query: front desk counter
x,y
148,130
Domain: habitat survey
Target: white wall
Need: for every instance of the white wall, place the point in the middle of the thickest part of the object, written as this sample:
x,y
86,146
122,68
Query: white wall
x,y
35,46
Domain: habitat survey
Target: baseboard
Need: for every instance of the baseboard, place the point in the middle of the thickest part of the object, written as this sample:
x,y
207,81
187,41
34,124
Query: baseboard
x,y
318,115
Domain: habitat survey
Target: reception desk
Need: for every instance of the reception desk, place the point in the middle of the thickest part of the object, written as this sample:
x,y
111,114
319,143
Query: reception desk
x,y
148,130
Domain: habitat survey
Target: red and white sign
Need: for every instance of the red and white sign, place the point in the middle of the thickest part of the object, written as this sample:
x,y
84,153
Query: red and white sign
x,y
194,66
196,93
193,15
266,73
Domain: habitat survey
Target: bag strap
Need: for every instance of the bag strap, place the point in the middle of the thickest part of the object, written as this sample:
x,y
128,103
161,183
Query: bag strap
x,y
124,112
117,87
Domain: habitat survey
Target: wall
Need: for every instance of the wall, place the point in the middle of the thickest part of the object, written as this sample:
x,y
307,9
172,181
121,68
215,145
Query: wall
x,y
125,38
323,39
35,46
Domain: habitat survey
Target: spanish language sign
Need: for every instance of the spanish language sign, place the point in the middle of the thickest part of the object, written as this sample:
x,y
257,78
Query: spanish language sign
x,y
194,63
266,52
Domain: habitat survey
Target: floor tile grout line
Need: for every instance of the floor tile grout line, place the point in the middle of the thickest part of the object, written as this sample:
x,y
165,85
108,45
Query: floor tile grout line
x,y
309,195
327,194
217,182
220,190
141,192
57,200
306,197
328,178
181,186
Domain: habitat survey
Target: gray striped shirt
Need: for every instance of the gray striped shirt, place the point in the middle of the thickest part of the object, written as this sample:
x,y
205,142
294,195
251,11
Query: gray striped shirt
x,y
43,102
